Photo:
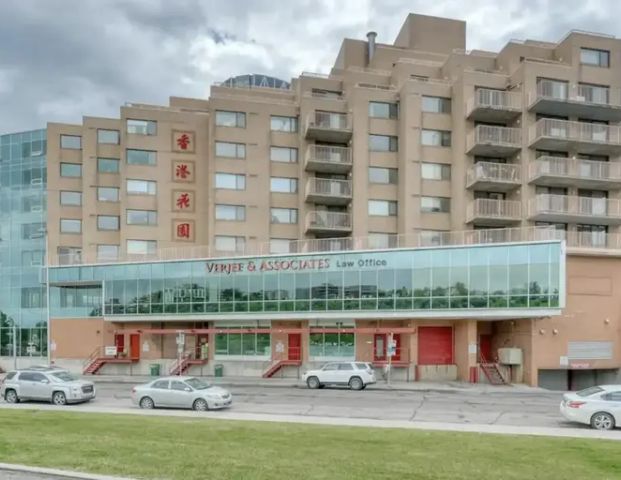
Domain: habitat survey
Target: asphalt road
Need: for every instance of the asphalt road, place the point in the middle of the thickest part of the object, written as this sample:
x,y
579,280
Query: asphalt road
x,y
537,409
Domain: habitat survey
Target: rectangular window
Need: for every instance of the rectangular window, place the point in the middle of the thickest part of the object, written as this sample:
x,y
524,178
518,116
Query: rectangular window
x,y
70,198
110,137
230,119
107,194
69,255
283,185
70,225
284,215
107,222
283,124
236,213
383,143
230,150
435,171
141,157
108,165
383,110
282,245
71,170
594,93
141,127
141,217
435,204
436,104
436,138
107,252
388,176
383,208
284,154
382,240
141,247
230,181
71,142
430,238
33,230
229,243
598,58
141,187
332,345
243,344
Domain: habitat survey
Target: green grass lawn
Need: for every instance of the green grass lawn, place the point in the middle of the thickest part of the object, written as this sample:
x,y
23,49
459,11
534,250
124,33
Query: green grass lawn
x,y
188,449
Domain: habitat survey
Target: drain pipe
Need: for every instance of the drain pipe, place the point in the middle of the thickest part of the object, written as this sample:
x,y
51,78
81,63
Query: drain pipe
x,y
370,46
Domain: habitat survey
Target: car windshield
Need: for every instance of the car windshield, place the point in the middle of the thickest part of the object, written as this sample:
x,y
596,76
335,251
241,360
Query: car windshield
x,y
64,376
587,392
197,383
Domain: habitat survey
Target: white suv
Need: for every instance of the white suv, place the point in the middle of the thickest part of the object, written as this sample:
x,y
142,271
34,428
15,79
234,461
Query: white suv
x,y
51,384
355,374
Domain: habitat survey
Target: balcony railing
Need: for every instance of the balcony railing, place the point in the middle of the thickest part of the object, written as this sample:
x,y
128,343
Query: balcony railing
x,y
324,220
319,157
575,205
492,139
564,92
490,172
494,209
329,120
328,187
575,168
487,101
576,132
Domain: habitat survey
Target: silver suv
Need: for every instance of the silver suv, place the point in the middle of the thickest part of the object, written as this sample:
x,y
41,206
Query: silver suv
x,y
45,383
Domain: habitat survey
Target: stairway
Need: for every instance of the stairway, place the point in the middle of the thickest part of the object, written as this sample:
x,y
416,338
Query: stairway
x,y
179,368
93,367
277,365
493,374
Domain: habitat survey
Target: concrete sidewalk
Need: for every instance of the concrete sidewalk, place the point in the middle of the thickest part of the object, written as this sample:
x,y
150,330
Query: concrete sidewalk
x,y
447,387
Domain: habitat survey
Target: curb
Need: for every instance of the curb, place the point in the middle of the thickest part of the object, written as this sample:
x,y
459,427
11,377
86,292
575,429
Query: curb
x,y
59,474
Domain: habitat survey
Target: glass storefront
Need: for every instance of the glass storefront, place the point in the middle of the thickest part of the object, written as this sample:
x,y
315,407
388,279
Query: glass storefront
x,y
23,206
513,276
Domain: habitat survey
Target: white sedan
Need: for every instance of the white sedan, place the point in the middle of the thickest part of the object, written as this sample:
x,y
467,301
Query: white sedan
x,y
181,392
356,375
599,407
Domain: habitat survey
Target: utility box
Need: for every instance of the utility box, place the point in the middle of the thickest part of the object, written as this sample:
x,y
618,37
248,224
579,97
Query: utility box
x,y
510,356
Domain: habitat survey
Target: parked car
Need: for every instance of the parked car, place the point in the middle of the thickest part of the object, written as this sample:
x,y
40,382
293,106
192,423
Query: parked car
x,y
181,392
45,383
599,407
357,375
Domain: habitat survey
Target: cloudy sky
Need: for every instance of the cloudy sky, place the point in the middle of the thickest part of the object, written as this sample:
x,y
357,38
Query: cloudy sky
x,y
61,59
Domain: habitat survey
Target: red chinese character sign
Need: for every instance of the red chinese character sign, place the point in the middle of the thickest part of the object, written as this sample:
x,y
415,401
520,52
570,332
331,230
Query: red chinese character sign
x,y
183,141
183,201
183,171
183,230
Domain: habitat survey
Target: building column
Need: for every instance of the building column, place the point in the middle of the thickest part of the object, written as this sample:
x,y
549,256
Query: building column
x,y
465,347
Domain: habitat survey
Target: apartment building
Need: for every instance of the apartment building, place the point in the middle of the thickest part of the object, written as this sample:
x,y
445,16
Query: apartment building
x,y
411,146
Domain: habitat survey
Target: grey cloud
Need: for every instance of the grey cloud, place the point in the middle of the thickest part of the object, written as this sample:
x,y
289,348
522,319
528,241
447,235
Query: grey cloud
x,y
61,59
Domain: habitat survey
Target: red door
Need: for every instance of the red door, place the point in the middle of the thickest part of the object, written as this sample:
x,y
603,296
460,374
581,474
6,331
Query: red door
x,y
119,342
435,346
295,346
202,343
485,348
134,346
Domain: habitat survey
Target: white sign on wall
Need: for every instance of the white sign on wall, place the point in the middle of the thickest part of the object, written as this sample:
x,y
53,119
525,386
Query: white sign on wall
x,y
145,346
110,351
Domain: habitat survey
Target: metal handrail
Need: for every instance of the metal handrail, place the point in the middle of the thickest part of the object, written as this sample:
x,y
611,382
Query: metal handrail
x,y
574,167
494,172
329,154
328,186
494,99
491,208
576,131
491,134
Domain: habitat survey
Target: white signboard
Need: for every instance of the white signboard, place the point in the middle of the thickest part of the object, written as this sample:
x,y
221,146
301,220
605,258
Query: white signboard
x,y
280,347
110,351
181,338
53,346
564,362
145,346
472,348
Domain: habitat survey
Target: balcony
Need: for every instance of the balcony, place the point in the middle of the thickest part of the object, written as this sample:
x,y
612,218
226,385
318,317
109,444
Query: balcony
x,y
495,177
584,101
322,222
590,138
575,209
494,105
328,159
567,172
489,212
327,191
494,141
329,127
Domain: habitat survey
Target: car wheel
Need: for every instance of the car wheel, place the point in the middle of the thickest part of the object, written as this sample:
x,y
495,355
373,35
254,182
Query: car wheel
x,y
146,403
11,396
200,405
355,383
602,421
59,398
313,382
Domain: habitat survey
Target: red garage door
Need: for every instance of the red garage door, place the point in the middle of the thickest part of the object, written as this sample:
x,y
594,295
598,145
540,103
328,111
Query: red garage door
x,y
435,345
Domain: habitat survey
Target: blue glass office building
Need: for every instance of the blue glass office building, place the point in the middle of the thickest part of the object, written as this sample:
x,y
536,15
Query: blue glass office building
x,y
23,200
